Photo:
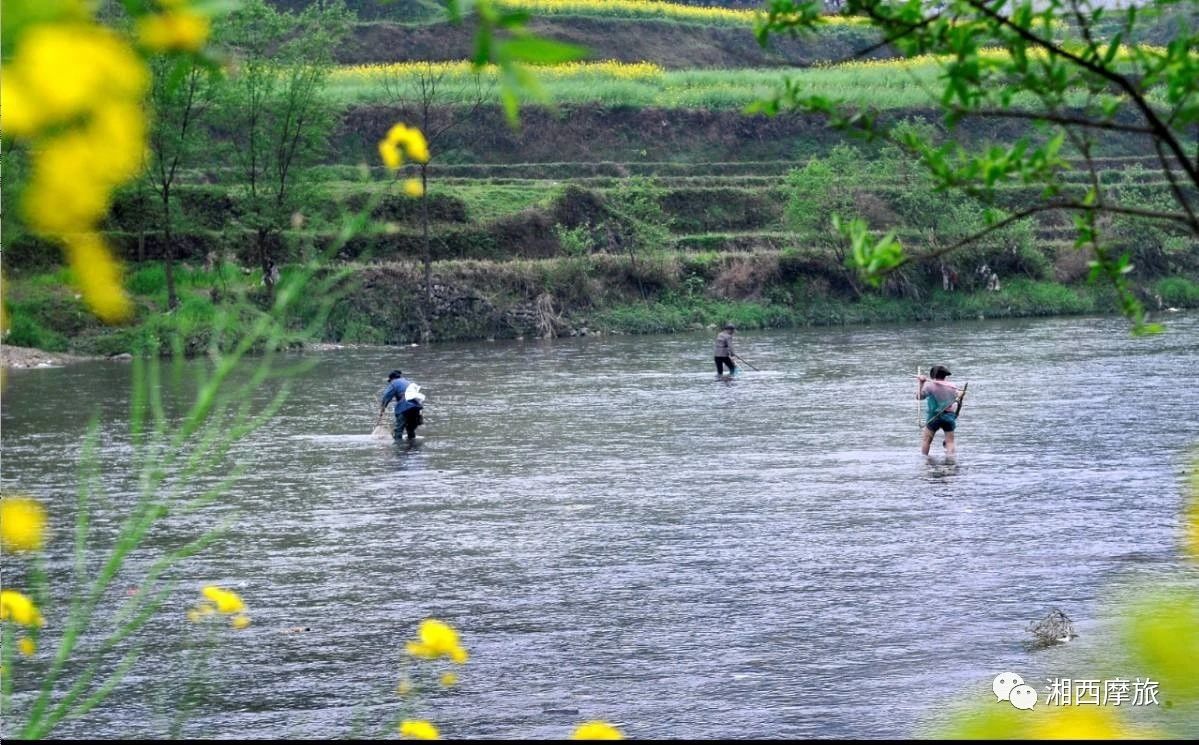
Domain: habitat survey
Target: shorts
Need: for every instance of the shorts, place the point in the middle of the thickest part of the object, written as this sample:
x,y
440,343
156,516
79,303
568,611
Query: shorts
x,y
945,420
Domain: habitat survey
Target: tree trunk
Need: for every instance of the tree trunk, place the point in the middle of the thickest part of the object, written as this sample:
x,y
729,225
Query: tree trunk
x,y
168,251
426,330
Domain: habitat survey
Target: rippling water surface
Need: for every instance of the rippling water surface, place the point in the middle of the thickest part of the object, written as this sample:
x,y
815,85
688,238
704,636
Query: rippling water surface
x,y
618,536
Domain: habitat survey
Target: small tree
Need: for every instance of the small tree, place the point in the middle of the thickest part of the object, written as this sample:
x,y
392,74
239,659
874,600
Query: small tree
x,y
273,109
1066,68
439,100
180,94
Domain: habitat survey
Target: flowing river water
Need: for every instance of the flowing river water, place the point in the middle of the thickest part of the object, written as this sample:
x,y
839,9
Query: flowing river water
x,y
618,536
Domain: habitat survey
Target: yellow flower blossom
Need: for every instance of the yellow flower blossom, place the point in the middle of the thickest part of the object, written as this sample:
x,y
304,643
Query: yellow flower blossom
x,y
18,608
403,140
596,730
200,612
99,277
437,639
240,621
62,71
182,30
413,187
419,729
27,646
22,525
449,680
226,601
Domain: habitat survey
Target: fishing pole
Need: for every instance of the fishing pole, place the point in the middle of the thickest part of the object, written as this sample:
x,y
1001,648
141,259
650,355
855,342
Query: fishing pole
x,y
747,362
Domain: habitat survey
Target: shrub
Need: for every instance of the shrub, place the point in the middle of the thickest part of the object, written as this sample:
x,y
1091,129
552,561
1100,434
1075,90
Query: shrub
x,y
1178,291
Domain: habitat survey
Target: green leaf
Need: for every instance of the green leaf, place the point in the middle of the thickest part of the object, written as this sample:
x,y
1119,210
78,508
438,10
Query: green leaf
x,y
538,51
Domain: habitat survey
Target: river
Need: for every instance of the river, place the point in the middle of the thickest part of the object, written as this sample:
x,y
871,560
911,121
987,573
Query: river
x,y
618,536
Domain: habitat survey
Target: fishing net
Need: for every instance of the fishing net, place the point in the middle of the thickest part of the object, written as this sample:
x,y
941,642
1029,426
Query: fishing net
x,y
1054,628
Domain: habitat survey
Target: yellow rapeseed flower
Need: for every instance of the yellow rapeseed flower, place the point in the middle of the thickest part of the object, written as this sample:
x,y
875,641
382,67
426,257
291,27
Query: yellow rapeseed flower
x,y
18,608
173,31
413,187
419,729
403,140
240,621
22,525
63,194
449,680
437,639
226,601
27,646
99,277
596,730
62,71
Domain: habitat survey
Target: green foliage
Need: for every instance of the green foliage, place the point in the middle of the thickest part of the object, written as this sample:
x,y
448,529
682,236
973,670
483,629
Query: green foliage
x,y
273,111
575,241
25,331
1178,292
1039,62
639,204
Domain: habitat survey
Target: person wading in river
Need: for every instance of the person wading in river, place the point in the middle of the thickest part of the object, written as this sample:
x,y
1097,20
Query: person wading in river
x,y
408,416
724,350
939,397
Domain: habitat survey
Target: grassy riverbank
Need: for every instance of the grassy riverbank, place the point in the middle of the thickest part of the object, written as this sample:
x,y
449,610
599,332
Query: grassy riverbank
x,y
666,292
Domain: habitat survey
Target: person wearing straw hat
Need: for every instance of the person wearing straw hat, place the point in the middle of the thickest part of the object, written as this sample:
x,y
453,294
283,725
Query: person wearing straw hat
x,y
724,350
409,402
939,397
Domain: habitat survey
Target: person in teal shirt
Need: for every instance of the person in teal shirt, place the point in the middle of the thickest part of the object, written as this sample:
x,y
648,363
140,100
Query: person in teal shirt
x,y
408,416
939,397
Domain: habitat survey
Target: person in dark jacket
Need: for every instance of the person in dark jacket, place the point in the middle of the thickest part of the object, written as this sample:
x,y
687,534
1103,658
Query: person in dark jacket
x,y
724,350
408,416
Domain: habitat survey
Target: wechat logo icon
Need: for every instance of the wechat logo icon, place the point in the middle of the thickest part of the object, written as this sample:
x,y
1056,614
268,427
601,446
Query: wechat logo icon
x,y
1010,687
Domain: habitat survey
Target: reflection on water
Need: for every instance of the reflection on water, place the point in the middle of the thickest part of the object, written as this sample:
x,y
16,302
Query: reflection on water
x,y
620,536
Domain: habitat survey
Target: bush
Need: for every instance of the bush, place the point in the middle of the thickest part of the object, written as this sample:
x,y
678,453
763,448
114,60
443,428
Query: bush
x,y
1177,291
24,331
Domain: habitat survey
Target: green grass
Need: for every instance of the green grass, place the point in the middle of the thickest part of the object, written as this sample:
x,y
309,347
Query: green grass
x,y
882,85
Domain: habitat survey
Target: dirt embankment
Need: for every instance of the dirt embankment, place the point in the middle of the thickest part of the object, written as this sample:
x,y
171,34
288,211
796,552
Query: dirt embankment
x,y
593,132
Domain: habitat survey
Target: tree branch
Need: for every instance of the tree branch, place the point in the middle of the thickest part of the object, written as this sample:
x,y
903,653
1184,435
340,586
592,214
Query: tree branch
x,y
1159,128
1065,121
1048,207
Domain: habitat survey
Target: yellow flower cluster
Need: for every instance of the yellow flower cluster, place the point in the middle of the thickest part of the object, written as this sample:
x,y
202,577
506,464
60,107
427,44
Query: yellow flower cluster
x,y
22,530
219,600
464,69
418,729
437,639
74,91
177,28
993,54
21,610
596,730
22,525
403,140
18,608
